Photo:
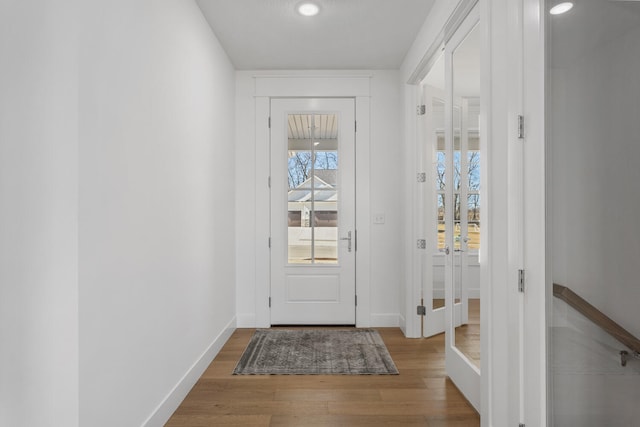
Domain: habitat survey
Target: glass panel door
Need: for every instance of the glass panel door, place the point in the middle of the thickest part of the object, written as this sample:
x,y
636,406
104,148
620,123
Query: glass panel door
x,y
593,134
433,203
312,170
312,211
462,163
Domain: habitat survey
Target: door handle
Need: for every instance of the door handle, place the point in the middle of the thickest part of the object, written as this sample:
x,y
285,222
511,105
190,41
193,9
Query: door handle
x,y
348,239
446,250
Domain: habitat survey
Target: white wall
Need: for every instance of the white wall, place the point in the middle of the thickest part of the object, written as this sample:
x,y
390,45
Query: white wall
x,y
38,215
595,190
156,231
387,271
386,153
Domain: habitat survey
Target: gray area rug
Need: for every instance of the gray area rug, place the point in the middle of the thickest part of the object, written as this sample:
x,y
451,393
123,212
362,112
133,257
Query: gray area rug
x,y
315,352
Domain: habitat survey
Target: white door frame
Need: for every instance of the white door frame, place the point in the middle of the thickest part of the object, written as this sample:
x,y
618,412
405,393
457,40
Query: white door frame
x,y
316,86
515,390
514,380
539,283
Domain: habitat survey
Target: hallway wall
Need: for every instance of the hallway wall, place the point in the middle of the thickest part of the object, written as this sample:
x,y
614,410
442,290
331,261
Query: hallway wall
x,y
38,214
156,220
595,199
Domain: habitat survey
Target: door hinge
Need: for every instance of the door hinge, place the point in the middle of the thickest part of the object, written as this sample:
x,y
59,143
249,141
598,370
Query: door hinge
x,y
421,110
356,300
269,302
269,182
521,425
269,122
269,242
422,310
355,126
520,127
421,177
521,281
421,244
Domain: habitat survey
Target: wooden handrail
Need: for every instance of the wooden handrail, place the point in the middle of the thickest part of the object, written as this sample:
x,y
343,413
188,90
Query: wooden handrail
x,y
596,316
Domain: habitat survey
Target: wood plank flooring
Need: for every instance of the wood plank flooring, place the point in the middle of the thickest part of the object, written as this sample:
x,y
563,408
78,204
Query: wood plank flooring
x,y
421,395
468,336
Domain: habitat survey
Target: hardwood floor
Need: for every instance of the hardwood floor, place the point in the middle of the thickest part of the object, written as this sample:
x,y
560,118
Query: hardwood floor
x,y
468,336
421,395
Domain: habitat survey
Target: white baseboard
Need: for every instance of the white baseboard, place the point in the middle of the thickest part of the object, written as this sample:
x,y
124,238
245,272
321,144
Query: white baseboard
x,y
175,397
402,324
246,320
385,320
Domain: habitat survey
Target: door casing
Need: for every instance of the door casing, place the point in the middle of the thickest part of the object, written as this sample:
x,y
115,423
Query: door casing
x,y
269,86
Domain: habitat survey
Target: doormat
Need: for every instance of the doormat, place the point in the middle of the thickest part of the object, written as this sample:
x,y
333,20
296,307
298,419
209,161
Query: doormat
x,y
315,352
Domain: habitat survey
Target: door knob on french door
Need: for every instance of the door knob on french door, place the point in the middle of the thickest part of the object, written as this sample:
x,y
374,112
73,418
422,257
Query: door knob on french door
x,y
446,250
348,239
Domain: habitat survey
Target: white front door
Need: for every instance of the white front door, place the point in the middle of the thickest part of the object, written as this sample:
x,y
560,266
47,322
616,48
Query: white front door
x,y
313,234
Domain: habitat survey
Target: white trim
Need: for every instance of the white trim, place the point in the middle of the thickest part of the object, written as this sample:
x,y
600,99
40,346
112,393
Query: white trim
x,y
363,211
402,323
413,285
515,211
496,364
313,86
262,222
172,401
538,278
331,85
246,320
385,320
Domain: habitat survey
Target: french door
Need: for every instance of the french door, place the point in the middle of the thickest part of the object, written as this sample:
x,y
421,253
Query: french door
x,y
430,197
313,234
461,206
437,221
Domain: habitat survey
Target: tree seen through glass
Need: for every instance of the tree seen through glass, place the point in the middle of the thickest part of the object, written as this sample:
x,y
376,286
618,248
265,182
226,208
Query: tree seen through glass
x,y
473,196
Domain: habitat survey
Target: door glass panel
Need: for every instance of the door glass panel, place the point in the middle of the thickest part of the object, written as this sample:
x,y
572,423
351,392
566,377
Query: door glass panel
x,y
440,183
473,188
313,189
466,196
438,260
592,135
473,222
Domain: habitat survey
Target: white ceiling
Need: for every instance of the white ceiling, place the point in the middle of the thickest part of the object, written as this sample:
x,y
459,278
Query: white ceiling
x,y
347,34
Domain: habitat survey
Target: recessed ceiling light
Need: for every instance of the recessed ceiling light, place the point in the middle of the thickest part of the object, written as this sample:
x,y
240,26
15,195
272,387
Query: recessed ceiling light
x,y
308,9
561,8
